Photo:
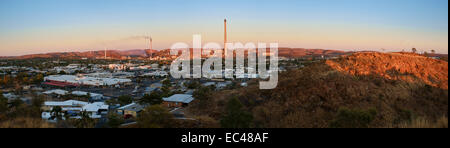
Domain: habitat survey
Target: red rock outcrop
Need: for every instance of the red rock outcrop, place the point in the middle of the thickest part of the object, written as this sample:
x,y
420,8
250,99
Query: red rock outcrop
x,y
395,66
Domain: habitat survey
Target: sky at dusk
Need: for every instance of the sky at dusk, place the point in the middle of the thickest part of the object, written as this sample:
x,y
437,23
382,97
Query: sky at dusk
x,y
41,26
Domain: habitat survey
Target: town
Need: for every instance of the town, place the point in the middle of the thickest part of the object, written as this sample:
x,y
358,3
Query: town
x,y
111,93
102,89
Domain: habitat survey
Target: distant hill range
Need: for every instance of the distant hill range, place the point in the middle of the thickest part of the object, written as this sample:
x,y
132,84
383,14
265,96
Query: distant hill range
x,y
145,53
110,54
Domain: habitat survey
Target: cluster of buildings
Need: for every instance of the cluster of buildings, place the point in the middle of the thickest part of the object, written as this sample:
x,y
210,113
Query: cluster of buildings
x,y
77,80
134,67
174,102
96,110
73,109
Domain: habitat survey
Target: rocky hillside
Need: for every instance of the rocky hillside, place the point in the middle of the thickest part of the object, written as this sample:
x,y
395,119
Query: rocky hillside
x,y
360,90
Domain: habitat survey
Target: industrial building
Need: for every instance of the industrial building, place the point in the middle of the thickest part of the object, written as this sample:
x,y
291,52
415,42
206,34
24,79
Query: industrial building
x,y
72,80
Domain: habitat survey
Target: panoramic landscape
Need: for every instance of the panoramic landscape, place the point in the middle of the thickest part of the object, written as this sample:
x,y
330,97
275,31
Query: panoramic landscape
x,y
213,64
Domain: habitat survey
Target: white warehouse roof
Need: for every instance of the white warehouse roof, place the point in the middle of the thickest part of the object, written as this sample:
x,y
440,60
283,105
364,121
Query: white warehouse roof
x,y
82,93
56,91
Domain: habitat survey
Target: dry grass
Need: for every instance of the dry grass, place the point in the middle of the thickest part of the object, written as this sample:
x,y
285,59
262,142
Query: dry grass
x,y
26,123
424,123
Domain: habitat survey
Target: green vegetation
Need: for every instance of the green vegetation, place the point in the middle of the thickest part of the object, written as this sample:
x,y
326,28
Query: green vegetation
x,y
57,113
236,116
3,105
114,120
166,88
124,100
21,79
155,116
84,122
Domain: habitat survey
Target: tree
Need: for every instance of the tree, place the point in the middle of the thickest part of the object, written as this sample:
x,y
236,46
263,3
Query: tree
x,y
36,104
433,51
85,121
166,88
155,116
167,83
414,50
151,99
193,85
114,120
124,100
3,103
16,103
203,95
56,113
236,116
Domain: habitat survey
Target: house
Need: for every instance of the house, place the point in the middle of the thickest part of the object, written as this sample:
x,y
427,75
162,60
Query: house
x,y
10,96
177,100
96,110
74,107
130,110
156,74
156,85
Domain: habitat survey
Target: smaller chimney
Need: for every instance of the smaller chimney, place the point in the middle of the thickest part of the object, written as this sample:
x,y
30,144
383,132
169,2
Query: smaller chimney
x,y
225,39
151,43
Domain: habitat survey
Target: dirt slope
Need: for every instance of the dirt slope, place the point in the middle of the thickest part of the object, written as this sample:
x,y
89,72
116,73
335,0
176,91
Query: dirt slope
x,y
395,66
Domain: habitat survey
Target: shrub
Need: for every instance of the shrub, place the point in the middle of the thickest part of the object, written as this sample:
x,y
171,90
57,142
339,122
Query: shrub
x,y
347,118
155,116
235,116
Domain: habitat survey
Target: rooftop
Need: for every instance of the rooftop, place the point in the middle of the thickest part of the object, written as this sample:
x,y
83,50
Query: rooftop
x,y
132,107
182,98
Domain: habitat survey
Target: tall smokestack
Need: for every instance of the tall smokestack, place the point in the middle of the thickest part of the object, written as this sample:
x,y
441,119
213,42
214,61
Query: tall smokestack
x,y
105,53
225,39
